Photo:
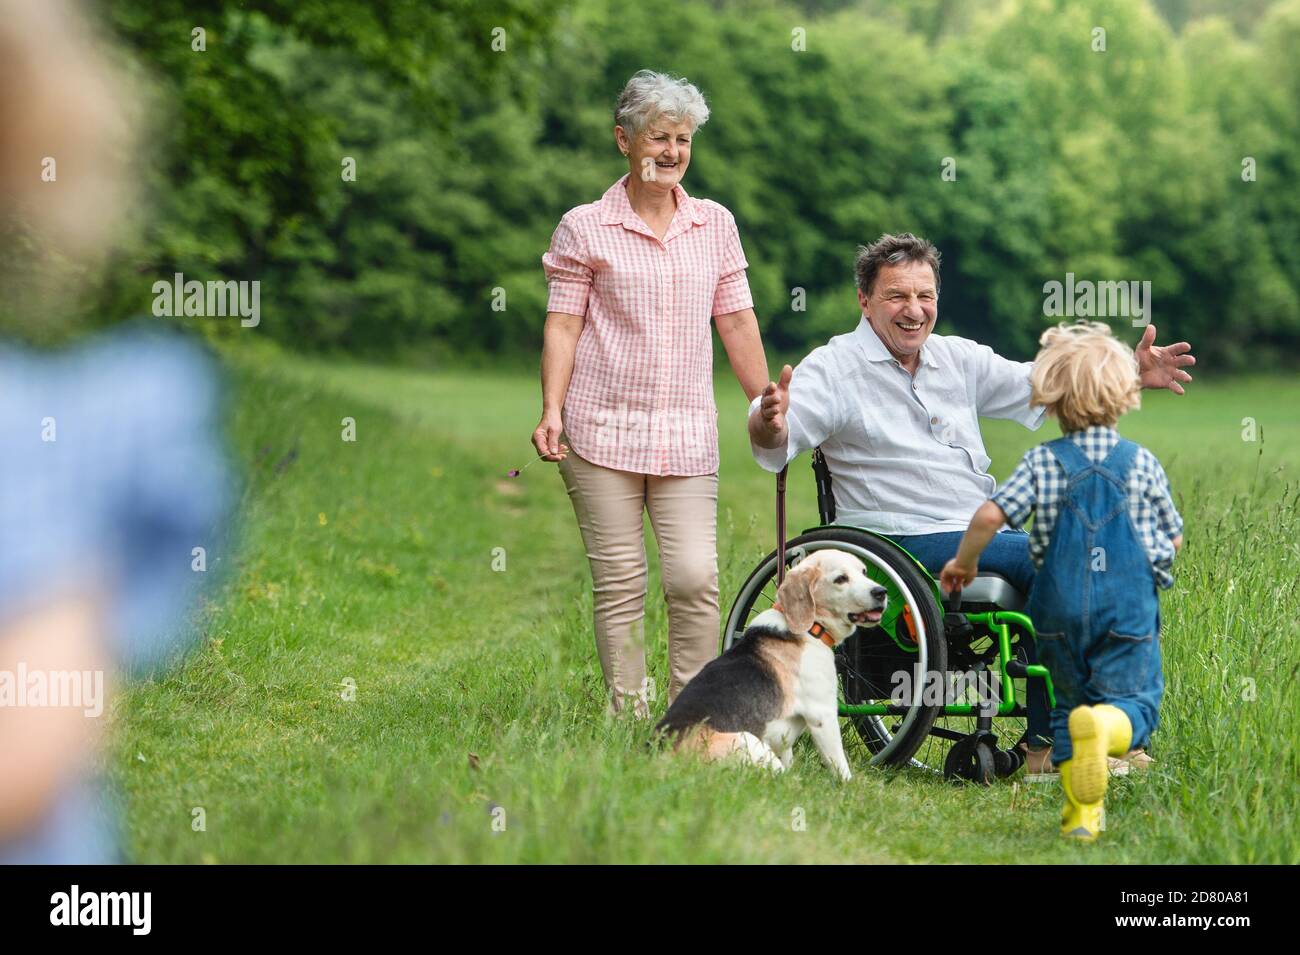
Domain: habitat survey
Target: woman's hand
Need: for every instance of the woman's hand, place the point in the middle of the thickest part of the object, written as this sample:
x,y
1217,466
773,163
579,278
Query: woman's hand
x,y
546,439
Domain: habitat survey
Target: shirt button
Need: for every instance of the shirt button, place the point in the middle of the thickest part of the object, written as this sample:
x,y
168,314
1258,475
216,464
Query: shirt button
x,y
934,421
914,386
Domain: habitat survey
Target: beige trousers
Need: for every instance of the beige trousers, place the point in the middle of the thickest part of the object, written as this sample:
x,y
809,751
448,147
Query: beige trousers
x,y
684,514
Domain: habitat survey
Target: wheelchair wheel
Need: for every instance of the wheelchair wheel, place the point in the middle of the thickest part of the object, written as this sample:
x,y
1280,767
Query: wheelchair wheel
x,y
907,650
972,760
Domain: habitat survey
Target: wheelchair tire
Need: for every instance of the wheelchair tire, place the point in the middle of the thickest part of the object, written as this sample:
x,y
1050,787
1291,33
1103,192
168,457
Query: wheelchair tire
x,y
971,760
871,660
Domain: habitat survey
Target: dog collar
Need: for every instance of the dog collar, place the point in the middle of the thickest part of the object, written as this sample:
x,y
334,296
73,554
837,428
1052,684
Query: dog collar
x,y
816,631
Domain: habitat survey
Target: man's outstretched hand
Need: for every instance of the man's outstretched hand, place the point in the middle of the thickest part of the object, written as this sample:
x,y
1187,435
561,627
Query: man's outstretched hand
x,y
1162,366
773,407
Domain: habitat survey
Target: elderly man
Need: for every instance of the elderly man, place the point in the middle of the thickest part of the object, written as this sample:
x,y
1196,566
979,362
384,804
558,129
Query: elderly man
x,y
895,410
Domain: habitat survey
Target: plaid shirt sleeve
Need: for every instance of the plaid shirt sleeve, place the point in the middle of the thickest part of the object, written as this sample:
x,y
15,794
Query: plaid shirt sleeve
x,y
732,293
567,272
1017,496
1162,500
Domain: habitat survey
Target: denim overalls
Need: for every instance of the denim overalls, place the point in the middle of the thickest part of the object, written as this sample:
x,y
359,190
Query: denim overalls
x,y
1094,603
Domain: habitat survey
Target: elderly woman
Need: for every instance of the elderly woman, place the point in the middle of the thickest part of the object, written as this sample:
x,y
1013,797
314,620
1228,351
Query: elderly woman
x,y
627,391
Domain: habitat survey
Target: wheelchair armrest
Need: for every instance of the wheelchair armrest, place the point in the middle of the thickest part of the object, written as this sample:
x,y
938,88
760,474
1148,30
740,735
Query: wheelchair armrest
x,y
993,589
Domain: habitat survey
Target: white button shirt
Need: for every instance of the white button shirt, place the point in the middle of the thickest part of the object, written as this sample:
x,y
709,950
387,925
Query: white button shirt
x,y
905,453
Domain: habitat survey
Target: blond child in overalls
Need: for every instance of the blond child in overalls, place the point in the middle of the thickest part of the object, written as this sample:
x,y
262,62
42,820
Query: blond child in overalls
x,y
1104,538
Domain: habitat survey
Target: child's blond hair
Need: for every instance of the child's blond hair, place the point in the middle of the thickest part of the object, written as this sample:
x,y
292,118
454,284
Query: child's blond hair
x,y
1084,376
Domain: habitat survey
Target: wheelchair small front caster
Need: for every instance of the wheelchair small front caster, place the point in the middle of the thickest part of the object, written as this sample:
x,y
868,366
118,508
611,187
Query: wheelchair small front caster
x,y
1007,761
971,759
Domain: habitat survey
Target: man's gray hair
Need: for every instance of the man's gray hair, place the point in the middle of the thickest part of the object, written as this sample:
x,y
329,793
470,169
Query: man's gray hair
x,y
893,250
649,95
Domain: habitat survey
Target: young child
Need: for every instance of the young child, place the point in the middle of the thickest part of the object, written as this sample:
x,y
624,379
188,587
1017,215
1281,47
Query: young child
x,y
1104,538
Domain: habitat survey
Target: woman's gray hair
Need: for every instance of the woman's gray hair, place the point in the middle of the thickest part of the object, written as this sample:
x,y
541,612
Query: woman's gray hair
x,y
649,95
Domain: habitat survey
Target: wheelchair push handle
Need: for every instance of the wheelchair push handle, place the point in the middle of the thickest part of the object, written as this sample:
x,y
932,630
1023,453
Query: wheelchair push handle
x,y
780,526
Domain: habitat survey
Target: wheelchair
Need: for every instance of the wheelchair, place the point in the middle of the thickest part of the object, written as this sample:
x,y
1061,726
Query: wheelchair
x,y
927,686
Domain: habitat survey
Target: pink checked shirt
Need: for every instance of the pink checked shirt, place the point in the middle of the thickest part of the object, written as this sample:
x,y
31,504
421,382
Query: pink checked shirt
x,y
641,395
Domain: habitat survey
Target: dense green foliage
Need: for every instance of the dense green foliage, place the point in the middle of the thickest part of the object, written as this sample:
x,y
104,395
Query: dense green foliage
x,y
1122,164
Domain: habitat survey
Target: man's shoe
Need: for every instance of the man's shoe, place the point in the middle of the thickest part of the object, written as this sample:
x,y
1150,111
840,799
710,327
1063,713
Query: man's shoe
x,y
1096,732
1038,764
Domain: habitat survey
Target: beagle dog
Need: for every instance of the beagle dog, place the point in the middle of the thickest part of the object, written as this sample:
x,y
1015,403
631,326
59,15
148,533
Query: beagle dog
x,y
757,698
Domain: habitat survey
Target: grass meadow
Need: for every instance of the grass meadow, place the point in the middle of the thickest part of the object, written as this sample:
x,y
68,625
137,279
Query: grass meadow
x,y
478,697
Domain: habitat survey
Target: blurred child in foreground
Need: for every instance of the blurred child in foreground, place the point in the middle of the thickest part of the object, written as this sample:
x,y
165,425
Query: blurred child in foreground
x,y
113,480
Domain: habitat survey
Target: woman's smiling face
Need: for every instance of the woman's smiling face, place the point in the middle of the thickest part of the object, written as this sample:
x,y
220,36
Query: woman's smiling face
x,y
660,153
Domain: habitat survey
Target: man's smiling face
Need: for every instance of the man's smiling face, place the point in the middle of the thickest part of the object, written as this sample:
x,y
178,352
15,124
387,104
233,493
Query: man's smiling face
x,y
902,307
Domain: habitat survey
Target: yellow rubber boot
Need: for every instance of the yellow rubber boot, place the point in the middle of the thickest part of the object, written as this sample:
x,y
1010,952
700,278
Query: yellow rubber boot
x,y
1095,733
1081,821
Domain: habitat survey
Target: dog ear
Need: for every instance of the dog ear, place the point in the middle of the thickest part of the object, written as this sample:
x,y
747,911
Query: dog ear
x,y
796,596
